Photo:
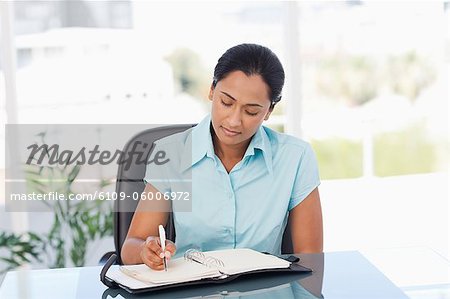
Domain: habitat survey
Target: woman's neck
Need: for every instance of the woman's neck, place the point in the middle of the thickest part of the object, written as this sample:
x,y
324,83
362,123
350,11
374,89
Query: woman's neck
x,y
228,153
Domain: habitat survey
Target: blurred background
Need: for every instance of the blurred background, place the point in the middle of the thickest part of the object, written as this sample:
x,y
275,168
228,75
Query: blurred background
x,y
367,86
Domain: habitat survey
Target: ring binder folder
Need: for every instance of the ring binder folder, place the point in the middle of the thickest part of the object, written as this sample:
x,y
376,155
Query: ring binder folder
x,y
197,268
109,283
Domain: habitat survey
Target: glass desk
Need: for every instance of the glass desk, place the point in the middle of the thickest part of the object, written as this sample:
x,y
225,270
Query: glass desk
x,y
420,272
346,274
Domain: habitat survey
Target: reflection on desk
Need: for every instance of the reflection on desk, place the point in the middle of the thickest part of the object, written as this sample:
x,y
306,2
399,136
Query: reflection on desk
x,y
335,275
259,287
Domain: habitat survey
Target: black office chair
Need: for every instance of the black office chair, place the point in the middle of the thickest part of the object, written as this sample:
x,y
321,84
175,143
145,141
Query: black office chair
x,y
130,181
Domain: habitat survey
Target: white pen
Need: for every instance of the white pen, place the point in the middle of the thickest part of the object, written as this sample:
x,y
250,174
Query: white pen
x,y
162,239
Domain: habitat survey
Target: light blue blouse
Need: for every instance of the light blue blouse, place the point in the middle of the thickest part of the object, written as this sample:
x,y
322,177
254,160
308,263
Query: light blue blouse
x,y
247,207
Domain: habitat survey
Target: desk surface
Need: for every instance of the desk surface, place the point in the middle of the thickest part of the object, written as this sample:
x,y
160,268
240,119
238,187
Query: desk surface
x,y
336,275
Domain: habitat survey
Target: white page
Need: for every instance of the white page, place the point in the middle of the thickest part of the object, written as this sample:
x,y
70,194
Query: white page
x,y
241,260
179,270
118,276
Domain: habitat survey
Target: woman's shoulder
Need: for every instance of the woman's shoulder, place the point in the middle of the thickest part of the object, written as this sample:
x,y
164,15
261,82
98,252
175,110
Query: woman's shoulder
x,y
174,146
290,149
179,138
284,140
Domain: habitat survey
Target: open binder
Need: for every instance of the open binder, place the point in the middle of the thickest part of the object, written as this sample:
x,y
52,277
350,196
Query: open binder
x,y
197,268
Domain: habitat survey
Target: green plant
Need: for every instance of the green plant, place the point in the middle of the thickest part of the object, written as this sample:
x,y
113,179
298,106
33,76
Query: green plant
x,y
83,221
22,248
75,223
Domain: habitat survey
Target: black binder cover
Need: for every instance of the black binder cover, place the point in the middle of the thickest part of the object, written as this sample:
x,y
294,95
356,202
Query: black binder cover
x,y
294,268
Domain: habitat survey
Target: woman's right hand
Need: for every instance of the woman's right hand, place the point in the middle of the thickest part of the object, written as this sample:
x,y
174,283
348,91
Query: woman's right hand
x,y
152,254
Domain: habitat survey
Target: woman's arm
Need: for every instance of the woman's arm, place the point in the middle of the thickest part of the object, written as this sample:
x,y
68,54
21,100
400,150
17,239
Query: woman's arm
x,y
306,225
142,243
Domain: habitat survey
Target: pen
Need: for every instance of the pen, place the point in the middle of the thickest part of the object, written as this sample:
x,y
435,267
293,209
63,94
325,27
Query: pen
x,y
162,238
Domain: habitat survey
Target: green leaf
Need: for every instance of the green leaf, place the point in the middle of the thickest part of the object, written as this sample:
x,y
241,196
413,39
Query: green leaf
x,y
22,256
73,173
32,172
34,236
10,261
36,182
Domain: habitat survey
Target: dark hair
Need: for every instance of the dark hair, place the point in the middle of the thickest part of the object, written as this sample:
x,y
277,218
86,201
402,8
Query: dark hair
x,y
253,59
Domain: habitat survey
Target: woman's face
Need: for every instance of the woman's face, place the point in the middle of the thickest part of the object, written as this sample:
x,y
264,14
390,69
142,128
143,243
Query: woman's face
x,y
240,104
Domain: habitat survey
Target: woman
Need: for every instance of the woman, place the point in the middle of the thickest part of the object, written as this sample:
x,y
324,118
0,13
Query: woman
x,y
247,180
